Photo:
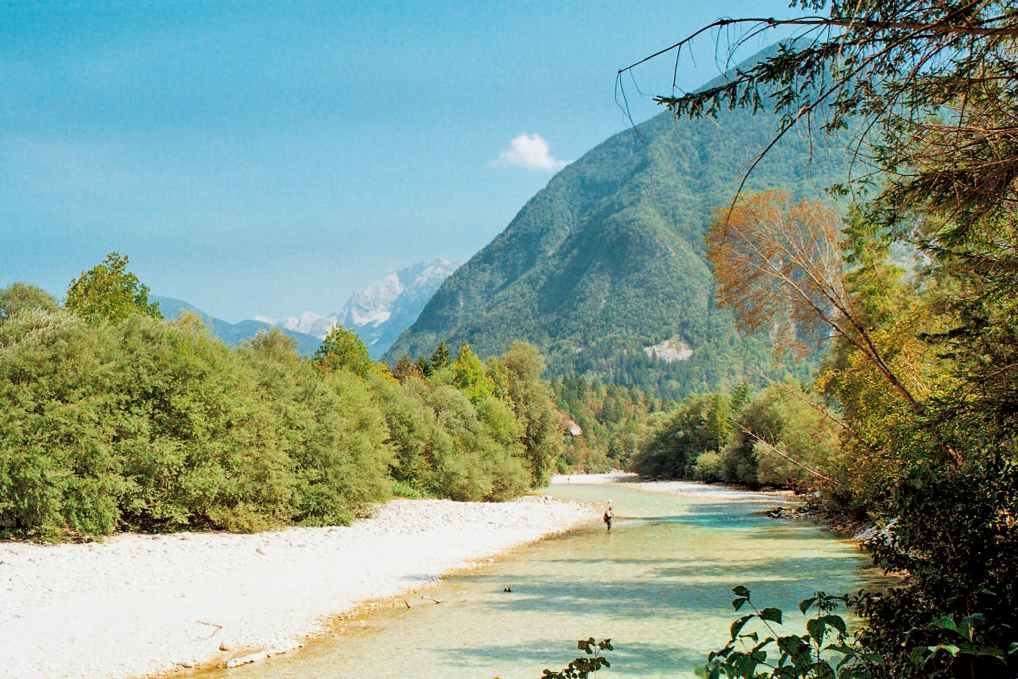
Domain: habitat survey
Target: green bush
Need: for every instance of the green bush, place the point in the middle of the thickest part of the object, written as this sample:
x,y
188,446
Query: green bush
x,y
149,425
331,429
413,433
59,467
708,467
779,440
19,297
700,423
204,445
143,424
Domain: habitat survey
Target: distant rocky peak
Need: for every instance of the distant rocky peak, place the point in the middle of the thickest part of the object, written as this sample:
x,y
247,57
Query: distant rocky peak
x,y
437,269
380,301
372,305
382,310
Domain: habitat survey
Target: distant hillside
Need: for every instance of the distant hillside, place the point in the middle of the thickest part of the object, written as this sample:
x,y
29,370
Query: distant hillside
x,y
383,310
232,333
604,269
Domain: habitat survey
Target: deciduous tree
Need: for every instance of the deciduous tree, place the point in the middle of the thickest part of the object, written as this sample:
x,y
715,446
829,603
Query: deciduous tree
x,y
109,292
21,296
343,349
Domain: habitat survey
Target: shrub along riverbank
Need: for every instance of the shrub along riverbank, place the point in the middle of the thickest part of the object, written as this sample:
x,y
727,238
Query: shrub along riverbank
x,y
116,419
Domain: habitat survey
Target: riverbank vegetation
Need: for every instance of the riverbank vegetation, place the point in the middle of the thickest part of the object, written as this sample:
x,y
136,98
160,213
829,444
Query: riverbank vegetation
x,y
612,420
116,419
914,414
777,436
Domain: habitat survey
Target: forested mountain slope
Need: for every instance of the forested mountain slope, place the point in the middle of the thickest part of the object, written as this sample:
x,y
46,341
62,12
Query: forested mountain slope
x,y
608,260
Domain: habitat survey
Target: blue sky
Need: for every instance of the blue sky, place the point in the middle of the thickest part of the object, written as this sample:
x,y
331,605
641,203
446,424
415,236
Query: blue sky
x,y
263,158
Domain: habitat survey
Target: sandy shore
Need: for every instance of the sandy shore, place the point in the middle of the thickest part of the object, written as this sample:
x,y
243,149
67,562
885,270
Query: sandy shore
x,y
139,604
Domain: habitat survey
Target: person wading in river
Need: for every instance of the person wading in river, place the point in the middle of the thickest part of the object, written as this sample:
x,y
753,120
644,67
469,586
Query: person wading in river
x,y
608,516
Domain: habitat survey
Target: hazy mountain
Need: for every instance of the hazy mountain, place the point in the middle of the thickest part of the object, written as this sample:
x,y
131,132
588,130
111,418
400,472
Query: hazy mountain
x,y
382,310
309,323
604,269
233,333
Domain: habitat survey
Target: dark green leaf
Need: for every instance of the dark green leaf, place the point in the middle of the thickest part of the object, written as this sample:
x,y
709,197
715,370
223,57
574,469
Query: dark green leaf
x,y
738,625
835,621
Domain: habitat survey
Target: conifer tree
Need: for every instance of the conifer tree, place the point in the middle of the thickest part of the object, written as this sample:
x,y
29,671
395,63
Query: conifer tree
x,y
440,358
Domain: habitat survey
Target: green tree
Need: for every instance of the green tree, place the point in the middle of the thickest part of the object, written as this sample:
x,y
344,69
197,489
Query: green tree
x,y
877,285
330,427
533,403
440,358
934,85
109,292
343,349
469,374
419,442
781,439
740,397
699,424
21,296
614,421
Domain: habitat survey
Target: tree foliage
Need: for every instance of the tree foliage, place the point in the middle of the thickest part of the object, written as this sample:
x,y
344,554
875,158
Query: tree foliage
x,y
613,420
342,349
757,648
779,263
118,420
18,297
533,404
581,668
699,424
921,378
780,438
108,292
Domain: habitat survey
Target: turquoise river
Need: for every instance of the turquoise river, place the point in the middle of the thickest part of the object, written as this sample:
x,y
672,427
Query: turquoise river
x,y
658,585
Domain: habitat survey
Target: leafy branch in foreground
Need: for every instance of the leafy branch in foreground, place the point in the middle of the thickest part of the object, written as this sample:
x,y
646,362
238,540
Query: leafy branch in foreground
x,y
825,651
799,655
890,64
584,666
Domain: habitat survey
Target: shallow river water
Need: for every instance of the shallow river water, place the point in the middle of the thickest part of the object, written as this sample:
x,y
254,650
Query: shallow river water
x,y
658,585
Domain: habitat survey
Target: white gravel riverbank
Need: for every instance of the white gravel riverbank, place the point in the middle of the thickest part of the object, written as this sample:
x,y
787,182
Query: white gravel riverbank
x,y
714,492
141,604
614,476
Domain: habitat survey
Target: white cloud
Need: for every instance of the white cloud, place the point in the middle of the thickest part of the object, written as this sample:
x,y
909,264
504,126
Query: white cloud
x,y
530,151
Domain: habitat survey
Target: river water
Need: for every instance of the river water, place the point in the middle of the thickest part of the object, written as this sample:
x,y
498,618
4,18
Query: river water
x,y
658,585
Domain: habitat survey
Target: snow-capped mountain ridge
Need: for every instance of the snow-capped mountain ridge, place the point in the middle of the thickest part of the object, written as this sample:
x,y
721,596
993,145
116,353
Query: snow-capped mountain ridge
x,y
382,310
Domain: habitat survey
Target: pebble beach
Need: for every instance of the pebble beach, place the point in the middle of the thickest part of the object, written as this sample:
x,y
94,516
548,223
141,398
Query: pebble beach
x,y
139,605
